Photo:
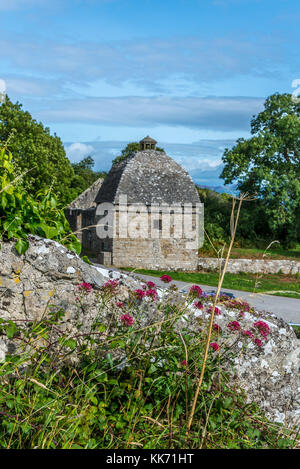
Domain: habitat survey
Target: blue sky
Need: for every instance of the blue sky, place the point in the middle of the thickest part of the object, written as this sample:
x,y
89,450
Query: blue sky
x,y
191,73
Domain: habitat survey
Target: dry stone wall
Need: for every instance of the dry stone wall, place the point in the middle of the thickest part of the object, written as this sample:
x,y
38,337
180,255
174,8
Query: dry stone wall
x,y
49,274
251,265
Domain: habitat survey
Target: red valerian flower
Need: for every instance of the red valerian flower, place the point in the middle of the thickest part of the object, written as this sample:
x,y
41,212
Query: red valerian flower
x,y
216,327
127,319
198,305
85,287
248,333
183,363
111,285
234,326
119,304
263,328
152,293
215,346
258,342
166,278
196,290
151,284
217,310
140,293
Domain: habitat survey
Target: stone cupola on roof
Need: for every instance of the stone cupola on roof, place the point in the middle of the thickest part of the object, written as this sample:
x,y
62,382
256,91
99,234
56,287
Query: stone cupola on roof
x,y
148,143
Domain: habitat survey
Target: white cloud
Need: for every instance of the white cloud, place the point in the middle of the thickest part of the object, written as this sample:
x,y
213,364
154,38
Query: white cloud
x,y
77,151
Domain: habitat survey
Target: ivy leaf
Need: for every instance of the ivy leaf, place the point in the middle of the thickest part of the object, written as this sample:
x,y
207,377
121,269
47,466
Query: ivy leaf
x,y
11,329
21,246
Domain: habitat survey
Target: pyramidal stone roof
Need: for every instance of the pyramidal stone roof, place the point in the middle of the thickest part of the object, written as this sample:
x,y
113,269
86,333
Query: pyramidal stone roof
x,y
148,177
87,198
148,139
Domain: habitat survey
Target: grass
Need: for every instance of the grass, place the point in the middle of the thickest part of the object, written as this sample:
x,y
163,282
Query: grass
x,y
275,252
280,283
297,331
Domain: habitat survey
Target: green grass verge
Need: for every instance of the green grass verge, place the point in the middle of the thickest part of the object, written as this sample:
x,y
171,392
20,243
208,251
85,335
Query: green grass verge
x,y
276,252
283,285
297,331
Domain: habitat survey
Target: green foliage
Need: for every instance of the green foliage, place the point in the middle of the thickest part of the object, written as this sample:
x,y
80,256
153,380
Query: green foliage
x,y
129,149
297,331
267,165
37,154
21,213
84,176
86,259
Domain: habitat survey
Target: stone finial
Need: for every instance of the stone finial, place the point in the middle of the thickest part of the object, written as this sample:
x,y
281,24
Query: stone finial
x,y
148,143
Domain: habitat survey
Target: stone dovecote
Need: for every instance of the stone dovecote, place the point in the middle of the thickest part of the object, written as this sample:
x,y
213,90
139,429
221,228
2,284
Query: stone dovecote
x,y
158,196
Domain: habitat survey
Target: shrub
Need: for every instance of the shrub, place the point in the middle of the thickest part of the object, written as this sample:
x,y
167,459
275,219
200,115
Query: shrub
x,y
22,214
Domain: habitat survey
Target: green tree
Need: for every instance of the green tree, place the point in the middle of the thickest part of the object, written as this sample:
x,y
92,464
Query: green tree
x,y
84,176
268,165
35,151
130,148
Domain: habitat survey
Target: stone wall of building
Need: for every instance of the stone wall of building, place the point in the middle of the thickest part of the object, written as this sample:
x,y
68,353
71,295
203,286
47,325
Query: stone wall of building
x,y
251,265
159,254
155,249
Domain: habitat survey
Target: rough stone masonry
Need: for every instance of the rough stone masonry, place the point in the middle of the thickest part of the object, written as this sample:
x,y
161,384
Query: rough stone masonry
x,y
49,272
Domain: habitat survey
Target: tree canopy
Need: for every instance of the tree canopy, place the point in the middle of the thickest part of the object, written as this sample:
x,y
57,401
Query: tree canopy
x,y
84,176
267,165
37,153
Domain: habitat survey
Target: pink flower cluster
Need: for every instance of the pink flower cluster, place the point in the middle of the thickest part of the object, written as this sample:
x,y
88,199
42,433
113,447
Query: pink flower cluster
x,y
110,285
238,304
198,305
216,327
166,278
248,333
234,326
215,346
217,310
258,342
151,293
151,284
263,328
196,290
140,293
85,287
127,320
149,290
